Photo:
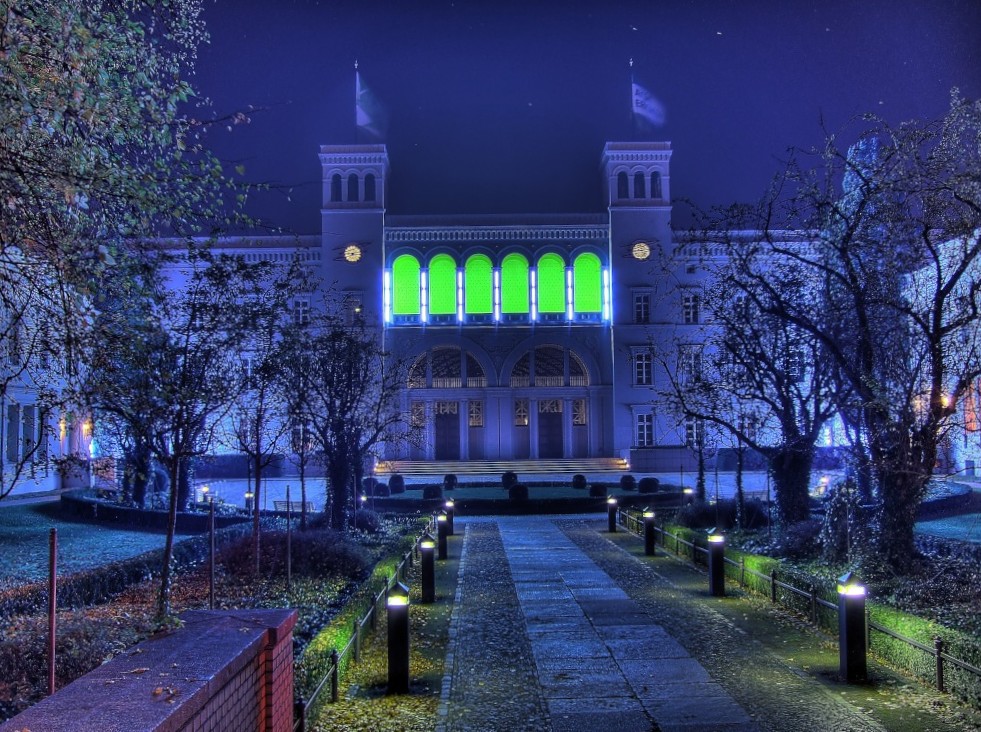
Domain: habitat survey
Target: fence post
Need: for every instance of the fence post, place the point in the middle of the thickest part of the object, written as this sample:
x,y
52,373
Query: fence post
x,y
773,585
742,571
357,640
299,715
938,645
335,680
374,615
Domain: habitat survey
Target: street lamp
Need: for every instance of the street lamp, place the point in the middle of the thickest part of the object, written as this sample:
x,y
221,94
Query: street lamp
x,y
649,538
449,506
398,639
717,563
852,664
427,550
611,514
688,493
442,527
248,501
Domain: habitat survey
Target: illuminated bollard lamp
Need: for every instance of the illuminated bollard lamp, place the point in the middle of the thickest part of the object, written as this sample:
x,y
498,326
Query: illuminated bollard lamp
x,y
851,629
427,550
397,605
611,514
688,494
649,537
717,563
442,530
449,507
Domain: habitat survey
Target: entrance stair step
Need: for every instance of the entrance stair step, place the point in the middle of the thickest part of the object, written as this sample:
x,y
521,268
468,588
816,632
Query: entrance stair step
x,y
496,467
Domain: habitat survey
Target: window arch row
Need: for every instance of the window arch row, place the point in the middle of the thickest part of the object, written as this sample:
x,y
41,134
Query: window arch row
x,y
353,187
642,184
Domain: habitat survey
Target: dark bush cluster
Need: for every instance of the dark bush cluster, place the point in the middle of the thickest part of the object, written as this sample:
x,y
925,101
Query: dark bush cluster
x,y
628,483
598,490
316,552
432,491
396,484
509,478
449,481
704,515
648,484
579,481
518,492
369,521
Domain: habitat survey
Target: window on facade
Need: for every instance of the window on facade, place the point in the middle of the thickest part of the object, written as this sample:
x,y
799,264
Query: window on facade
x,y
335,187
694,432
690,365
447,368
520,412
369,187
551,284
446,407
587,284
622,186
579,413
643,368
550,406
748,424
247,371
691,303
13,430
417,372
794,364
475,373
578,375
478,286
514,284
475,413
521,373
644,430
642,307
549,366
351,305
656,185
301,310
352,187
405,285
417,414
442,285
639,191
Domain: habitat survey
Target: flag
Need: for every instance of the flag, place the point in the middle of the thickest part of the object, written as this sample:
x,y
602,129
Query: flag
x,y
371,117
645,106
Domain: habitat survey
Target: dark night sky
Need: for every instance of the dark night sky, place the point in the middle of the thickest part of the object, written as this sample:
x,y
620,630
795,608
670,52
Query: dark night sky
x,y
503,106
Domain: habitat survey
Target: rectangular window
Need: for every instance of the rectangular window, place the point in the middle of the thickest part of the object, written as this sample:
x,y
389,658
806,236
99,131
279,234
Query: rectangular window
x,y
642,307
476,413
689,365
579,413
520,412
645,430
352,307
13,433
417,414
643,369
691,305
694,432
301,310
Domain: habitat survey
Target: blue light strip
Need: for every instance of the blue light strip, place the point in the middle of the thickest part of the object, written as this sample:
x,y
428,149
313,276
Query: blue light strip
x,y
459,296
387,295
497,294
568,293
533,271
424,295
607,295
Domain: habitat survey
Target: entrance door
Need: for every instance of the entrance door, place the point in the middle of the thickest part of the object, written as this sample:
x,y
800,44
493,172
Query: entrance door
x,y
447,431
550,429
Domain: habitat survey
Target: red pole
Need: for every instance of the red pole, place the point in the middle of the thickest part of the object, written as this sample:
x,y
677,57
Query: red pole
x,y
52,606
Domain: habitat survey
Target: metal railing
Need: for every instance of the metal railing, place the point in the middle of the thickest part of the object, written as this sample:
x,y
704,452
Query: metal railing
x,y
634,524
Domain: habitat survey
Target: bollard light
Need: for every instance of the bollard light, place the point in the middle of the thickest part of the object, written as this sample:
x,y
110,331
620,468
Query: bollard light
x,y
398,639
449,506
717,563
852,664
611,514
442,527
649,532
688,493
248,501
427,551
364,500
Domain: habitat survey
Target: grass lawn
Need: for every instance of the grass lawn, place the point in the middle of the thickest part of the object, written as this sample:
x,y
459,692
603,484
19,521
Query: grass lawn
x,y
24,537
965,527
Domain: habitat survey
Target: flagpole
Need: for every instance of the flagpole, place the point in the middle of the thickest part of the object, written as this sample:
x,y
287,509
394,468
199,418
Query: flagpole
x,y
633,117
356,128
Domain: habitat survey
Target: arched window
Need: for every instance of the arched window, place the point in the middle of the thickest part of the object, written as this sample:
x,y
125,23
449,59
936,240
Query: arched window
x,y
639,185
514,284
442,285
551,284
587,284
405,285
369,187
478,290
335,187
622,191
352,187
656,185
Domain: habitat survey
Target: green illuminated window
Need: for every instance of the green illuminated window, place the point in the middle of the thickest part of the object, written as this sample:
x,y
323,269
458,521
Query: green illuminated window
x,y
405,285
478,291
514,284
588,284
551,284
442,285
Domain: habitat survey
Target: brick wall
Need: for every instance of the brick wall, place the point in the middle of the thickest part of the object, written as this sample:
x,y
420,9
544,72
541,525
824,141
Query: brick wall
x,y
222,670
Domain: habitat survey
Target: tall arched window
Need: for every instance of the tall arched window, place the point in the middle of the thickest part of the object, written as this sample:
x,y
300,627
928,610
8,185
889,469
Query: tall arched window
x,y
352,187
442,285
478,289
514,284
405,285
639,185
369,187
335,187
587,284
551,284
622,189
656,185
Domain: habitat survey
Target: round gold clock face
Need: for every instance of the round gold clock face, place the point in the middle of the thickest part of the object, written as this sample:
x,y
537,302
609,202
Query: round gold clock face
x,y
641,250
352,253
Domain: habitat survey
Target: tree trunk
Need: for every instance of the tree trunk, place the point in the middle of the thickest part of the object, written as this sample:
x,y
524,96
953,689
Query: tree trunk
x,y
791,469
700,479
740,495
183,485
339,487
257,477
139,469
303,493
163,598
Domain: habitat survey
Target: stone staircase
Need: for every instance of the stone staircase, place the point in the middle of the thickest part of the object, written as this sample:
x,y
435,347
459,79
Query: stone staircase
x,y
497,467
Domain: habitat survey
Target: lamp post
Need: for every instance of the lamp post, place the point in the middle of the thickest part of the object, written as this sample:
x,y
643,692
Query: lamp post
x,y
717,563
611,514
649,538
442,521
427,550
449,506
398,639
851,629
248,501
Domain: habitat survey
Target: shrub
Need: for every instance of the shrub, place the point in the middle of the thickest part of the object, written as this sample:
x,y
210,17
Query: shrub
x,y
648,484
509,479
800,540
432,491
396,484
518,492
628,483
703,515
315,552
369,521
382,490
598,490
579,481
368,486
449,481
